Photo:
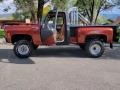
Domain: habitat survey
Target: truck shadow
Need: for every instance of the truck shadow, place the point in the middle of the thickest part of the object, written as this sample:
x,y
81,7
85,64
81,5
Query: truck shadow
x,y
60,52
110,54
113,54
7,56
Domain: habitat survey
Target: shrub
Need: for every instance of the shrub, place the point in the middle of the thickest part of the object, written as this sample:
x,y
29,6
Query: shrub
x,y
2,33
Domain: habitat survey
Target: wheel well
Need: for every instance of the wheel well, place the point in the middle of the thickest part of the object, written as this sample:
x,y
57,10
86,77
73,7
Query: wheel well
x,y
103,38
18,37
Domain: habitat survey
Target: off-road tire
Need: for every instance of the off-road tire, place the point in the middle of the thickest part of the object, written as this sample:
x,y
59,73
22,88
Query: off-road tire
x,y
89,47
29,46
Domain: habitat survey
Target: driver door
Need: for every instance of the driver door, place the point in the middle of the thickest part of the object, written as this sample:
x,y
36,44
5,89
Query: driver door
x,y
48,29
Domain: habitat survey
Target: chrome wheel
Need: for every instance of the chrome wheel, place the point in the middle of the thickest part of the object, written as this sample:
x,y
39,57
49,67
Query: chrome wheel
x,y
95,49
23,49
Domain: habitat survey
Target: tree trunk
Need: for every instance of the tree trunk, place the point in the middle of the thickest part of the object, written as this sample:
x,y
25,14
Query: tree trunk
x,y
40,10
33,16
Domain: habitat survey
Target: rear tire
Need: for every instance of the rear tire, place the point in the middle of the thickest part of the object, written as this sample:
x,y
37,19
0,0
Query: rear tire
x,y
23,49
94,48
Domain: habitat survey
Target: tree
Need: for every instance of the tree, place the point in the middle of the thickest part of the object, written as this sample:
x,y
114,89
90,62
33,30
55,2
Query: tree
x,y
28,6
92,8
28,9
61,4
116,2
40,10
1,0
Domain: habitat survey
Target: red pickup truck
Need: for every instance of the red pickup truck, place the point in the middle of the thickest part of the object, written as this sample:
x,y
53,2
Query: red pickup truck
x,y
27,37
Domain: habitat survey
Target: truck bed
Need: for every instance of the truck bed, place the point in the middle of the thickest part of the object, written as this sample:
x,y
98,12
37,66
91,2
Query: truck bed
x,y
114,27
79,26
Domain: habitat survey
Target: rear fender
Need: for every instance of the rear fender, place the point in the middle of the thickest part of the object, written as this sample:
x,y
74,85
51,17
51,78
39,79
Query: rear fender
x,y
83,33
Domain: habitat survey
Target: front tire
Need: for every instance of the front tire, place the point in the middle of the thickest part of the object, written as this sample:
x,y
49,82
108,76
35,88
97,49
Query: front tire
x,y
23,49
95,48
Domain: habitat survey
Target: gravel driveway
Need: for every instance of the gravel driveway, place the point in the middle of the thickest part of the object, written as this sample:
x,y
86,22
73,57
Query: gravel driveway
x,y
59,68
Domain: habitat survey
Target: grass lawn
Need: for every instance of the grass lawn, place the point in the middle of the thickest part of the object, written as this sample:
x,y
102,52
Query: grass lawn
x,y
2,33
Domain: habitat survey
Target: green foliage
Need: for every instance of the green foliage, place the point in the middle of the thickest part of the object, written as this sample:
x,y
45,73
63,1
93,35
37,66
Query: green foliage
x,y
21,16
102,20
61,4
92,8
25,8
2,33
70,3
116,2
118,31
89,8
64,4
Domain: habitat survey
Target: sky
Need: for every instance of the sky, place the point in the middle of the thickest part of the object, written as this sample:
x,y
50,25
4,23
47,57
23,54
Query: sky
x,y
7,3
114,10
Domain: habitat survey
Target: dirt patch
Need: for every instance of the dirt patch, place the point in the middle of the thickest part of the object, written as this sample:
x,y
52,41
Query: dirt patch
x,y
2,41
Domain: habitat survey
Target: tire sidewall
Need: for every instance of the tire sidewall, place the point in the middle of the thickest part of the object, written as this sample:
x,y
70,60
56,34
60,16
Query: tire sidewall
x,y
23,42
91,43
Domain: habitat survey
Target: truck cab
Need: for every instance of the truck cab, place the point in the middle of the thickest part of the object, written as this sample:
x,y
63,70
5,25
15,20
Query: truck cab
x,y
54,29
